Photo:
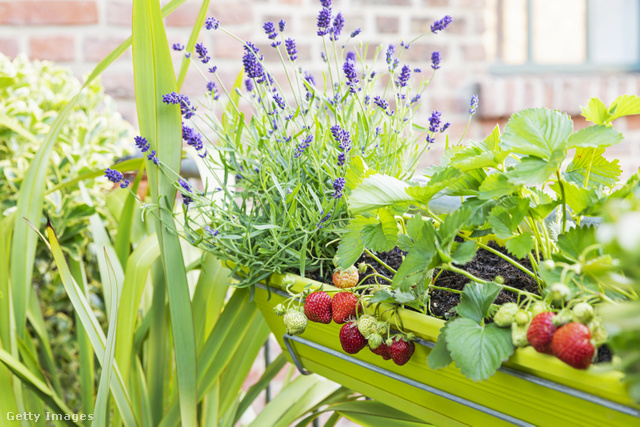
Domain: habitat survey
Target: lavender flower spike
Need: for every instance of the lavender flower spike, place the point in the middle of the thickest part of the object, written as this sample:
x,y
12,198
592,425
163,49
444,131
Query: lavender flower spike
x,y
113,175
338,186
435,60
211,23
441,24
292,51
142,143
324,21
474,104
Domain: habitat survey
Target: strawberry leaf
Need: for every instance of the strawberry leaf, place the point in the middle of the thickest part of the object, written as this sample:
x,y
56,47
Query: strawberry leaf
x,y
495,186
437,183
382,235
463,252
596,112
535,170
418,261
521,245
476,299
624,105
577,198
478,350
575,241
439,357
351,244
589,168
379,191
595,136
537,132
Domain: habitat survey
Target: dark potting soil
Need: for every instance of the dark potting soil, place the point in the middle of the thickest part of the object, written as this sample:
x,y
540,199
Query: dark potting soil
x,y
484,265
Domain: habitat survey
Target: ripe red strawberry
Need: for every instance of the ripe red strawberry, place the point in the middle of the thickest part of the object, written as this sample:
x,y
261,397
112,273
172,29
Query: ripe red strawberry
x,y
572,344
317,307
401,351
351,339
382,350
540,332
346,278
343,306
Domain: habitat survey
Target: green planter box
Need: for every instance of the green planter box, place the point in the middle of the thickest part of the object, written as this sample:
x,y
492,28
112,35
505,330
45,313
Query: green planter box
x,y
530,388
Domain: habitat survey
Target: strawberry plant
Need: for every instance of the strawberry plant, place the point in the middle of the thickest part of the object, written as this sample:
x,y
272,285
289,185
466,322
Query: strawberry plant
x,y
531,188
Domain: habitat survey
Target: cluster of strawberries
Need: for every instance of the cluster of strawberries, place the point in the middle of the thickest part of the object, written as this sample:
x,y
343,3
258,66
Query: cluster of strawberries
x,y
358,330
571,335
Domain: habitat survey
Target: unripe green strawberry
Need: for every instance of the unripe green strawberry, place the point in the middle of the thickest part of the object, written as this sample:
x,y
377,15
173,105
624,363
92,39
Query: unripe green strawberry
x,y
375,340
572,344
549,264
506,315
598,332
279,309
564,316
499,280
367,325
559,292
362,267
522,318
519,335
538,308
582,312
295,321
382,328
345,278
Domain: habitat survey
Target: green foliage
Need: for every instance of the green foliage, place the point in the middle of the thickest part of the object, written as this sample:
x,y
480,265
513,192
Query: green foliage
x,y
519,193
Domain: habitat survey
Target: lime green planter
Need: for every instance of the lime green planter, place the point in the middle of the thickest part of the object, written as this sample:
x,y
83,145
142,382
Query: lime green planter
x,y
530,388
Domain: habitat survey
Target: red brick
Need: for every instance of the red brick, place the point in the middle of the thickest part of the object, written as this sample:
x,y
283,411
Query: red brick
x,y
633,122
96,48
387,24
435,3
225,46
119,13
421,52
184,16
474,53
118,82
53,48
9,47
230,13
48,12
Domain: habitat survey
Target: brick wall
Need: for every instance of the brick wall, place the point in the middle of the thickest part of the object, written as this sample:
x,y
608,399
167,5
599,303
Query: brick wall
x,y
78,33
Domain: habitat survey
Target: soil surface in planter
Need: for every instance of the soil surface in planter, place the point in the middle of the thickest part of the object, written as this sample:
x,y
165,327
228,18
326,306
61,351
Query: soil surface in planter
x,y
484,265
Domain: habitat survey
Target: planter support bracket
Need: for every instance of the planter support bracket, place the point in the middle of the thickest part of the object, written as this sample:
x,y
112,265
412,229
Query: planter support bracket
x,y
288,338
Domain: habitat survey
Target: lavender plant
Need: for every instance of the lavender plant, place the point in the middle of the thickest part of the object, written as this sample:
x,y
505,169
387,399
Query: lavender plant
x,y
282,170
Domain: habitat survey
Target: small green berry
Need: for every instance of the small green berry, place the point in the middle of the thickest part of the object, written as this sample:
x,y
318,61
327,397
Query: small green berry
x,y
583,313
506,315
295,321
375,341
522,318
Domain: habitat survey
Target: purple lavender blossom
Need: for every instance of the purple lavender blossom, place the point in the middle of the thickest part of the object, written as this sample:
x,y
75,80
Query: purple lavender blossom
x,y
445,127
435,60
186,109
281,25
177,47
213,89
342,158
202,53
248,84
417,70
405,74
124,184
356,32
141,143
434,121
192,137
211,23
381,103
211,231
338,25
389,54
252,62
325,3
213,69
292,51
152,156
350,73
324,21
338,186
351,56
186,187
323,219
279,101
302,146
113,175
441,24
474,104
270,30
415,99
